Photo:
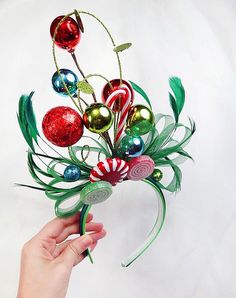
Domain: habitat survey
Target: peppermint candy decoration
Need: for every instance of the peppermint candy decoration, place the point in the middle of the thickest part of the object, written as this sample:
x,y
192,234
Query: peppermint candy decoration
x,y
96,192
140,167
123,90
112,170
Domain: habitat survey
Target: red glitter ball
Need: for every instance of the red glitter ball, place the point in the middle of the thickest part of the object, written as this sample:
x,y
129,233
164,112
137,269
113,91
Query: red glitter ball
x,y
68,33
122,98
62,126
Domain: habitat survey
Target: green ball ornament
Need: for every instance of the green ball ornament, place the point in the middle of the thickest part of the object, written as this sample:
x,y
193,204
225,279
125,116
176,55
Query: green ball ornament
x,y
98,118
140,120
157,175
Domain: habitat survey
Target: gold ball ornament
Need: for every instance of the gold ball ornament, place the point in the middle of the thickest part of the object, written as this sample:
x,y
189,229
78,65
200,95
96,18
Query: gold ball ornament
x,y
140,120
98,118
157,175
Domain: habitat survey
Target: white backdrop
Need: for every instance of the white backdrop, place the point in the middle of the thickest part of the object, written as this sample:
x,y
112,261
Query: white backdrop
x,y
195,255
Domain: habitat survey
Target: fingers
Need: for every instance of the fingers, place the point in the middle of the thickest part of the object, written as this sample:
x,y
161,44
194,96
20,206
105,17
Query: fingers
x,y
60,248
93,246
74,229
73,253
56,226
98,235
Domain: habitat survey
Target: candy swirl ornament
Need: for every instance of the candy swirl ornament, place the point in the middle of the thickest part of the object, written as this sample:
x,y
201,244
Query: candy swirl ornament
x,y
140,167
96,192
113,170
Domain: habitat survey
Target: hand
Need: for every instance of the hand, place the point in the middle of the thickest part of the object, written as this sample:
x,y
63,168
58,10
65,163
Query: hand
x,y
47,260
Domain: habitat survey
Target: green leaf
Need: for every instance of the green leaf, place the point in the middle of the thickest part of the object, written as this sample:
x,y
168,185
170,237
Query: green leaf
x,y
185,153
177,147
122,47
175,183
25,132
157,140
26,120
79,21
30,186
31,118
179,96
141,92
85,87
174,107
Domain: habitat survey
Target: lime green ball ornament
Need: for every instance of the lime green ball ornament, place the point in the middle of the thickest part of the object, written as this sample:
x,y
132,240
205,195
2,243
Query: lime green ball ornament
x,y
140,120
157,175
98,118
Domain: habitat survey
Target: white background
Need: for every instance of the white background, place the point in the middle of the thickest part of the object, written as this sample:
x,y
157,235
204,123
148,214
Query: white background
x,y
195,254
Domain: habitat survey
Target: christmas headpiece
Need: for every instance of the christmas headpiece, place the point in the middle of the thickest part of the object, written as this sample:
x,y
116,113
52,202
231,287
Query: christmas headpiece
x,y
130,143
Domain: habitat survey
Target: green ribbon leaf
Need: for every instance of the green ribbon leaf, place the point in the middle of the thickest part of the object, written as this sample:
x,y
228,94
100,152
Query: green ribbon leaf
x,y
122,47
85,87
141,92
176,101
174,107
79,21
26,120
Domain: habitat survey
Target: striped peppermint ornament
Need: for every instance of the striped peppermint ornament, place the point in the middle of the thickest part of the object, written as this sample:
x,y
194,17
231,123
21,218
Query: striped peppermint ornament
x,y
112,170
123,90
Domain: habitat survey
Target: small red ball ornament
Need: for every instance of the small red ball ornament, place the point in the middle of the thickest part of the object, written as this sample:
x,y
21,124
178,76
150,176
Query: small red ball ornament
x,y
62,126
68,33
119,99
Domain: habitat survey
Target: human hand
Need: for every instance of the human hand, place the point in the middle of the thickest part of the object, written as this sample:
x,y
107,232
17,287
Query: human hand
x,y
47,260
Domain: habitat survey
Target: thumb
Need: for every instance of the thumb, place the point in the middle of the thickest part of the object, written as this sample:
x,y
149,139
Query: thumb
x,y
73,254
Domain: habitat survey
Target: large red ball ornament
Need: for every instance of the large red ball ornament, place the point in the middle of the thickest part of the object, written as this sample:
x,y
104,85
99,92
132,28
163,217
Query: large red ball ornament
x,y
68,33
120,99
62,126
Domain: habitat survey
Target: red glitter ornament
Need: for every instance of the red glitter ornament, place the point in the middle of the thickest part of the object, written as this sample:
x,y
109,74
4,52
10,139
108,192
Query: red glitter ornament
x,y
68,33
112,170
62,126
120,99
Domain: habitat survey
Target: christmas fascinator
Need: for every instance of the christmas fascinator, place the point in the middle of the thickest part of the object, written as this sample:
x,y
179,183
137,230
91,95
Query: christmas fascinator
x,y
126,139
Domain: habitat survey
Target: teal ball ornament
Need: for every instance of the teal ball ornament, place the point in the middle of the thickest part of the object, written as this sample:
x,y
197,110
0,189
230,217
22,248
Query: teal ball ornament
x,y
72,173
131,146
69,78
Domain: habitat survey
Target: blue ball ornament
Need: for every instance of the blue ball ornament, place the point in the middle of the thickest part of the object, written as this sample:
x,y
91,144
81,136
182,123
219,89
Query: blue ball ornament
x,y
131,146
72,173
70,79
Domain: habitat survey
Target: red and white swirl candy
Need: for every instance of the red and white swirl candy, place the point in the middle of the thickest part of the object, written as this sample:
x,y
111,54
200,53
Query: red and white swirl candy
x,y
112,170
125,91
140,167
